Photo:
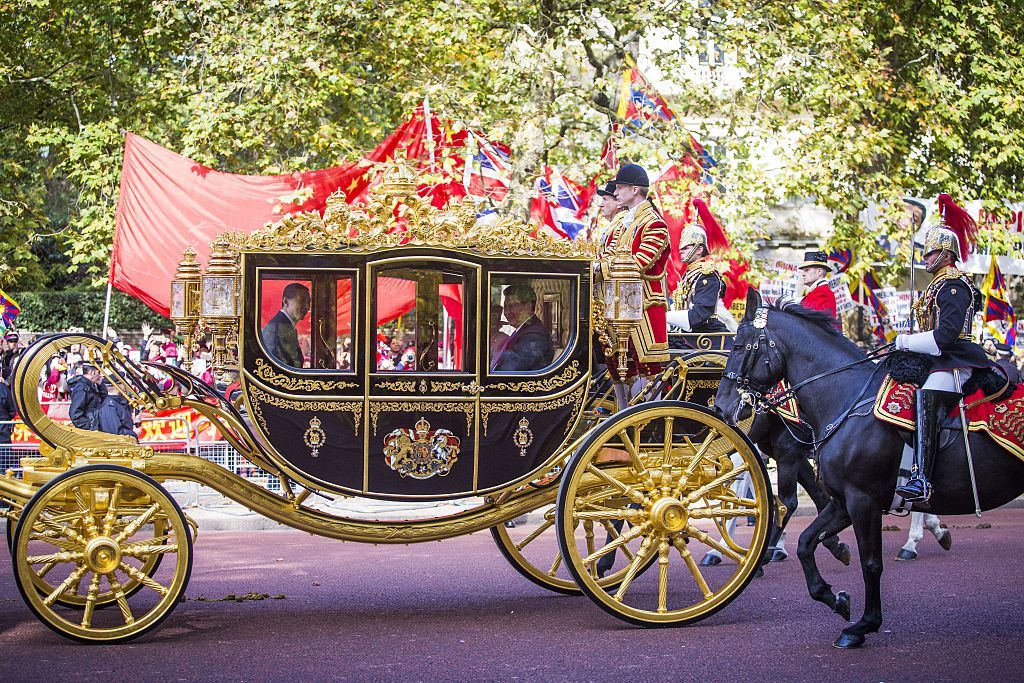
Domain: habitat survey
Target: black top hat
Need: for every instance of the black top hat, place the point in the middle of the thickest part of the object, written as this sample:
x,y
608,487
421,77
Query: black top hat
x,y
632,174
815,259
1003,348
607,191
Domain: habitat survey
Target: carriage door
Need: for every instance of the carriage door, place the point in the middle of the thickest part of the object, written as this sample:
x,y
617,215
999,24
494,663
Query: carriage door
x,y
422,364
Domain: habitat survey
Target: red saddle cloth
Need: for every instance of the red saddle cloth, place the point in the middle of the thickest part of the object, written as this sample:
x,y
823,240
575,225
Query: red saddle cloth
x,y
1002,420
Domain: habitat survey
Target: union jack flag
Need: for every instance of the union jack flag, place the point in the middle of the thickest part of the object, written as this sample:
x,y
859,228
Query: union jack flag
x,y
559,204
488,169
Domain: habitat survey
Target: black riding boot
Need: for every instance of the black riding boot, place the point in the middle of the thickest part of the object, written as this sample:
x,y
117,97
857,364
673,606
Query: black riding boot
x,y
932,408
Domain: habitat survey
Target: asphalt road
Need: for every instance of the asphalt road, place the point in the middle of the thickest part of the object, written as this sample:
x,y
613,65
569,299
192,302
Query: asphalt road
x,y
455,611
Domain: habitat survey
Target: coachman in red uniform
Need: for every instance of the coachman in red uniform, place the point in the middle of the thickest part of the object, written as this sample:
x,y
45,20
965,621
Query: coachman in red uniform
x,y
819,296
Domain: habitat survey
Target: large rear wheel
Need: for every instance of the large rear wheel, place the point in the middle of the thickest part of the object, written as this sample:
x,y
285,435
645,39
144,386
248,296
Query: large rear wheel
x,y
674,475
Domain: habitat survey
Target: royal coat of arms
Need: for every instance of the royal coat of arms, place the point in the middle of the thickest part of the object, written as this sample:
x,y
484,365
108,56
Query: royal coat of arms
x,y
421,452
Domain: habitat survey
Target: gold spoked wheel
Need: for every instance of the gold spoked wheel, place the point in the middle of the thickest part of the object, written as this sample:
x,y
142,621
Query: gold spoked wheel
x,y
91,537
532,549
674,474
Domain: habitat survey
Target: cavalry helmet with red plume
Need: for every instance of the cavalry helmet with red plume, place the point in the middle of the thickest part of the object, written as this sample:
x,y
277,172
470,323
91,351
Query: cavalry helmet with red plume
x,y
706,230
956,232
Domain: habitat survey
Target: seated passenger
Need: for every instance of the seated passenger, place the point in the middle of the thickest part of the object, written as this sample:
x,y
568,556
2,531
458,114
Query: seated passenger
x,y
529,347
279,335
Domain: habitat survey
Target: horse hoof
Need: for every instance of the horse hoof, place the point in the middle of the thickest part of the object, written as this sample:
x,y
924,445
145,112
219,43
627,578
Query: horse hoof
x,y
711,561
842,607
778,556
847,641
905,555
844,555
946,540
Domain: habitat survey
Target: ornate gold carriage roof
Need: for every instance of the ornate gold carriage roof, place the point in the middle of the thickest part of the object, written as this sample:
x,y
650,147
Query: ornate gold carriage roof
x,y
396,216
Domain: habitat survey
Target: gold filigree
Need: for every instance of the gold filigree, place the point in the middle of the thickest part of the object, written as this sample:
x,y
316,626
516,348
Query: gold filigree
x,y
266,373
376,408
258,397
405,386
314,437
445,386
569,373
571,398
523,437
394,216
692,385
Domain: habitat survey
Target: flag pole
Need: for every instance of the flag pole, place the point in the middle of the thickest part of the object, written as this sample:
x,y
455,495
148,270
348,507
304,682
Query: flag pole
x,y
106,311
430,129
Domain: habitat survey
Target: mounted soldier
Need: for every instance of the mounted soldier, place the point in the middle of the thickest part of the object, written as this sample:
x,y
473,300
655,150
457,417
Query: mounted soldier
x,y
819,296
639,224
945,314
697,302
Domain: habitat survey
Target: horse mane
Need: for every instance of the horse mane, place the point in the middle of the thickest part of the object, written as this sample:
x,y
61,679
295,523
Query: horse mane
x,y
819,319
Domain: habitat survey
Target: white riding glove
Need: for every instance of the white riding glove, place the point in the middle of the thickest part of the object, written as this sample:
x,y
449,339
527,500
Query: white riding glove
x,y
680,319
921,342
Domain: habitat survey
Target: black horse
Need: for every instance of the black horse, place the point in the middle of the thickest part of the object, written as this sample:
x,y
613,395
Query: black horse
x,y
858,456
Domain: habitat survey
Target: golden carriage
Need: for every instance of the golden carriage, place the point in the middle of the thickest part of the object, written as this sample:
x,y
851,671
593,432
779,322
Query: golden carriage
x,y
102,552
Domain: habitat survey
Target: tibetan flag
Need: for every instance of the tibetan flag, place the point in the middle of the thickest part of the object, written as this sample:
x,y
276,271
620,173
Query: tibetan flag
x,y
488,169
868,286
10,310
640,104
841,258
997,307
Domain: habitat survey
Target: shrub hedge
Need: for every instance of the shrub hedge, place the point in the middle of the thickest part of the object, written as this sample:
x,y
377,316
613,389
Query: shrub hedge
x,y
68,309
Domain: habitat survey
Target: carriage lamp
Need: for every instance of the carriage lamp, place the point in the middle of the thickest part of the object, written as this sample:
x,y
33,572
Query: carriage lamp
x,y
221,283
623,302
186,292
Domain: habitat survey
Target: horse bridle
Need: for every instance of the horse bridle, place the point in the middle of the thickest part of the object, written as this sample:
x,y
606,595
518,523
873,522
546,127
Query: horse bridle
x,y
764,400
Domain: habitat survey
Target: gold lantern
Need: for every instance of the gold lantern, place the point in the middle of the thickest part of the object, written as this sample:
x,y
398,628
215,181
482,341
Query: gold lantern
x,y
221,283
623,302
186,293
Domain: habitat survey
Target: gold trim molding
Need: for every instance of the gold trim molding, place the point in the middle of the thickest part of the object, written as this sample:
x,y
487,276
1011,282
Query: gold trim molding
x,y
378,407
569,373
570,398
266,373
257,396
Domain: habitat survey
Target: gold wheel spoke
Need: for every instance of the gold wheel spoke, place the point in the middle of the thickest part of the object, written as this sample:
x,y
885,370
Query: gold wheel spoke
x,y
704,538
646,548
633,494
111,517
634,455
62,529
588,533
724,513
90,600
87,517
680,545
606,514
703,490
615,535
547,524
48,537
137,523
45,569
72,580
55,558
663,575
555,564
618,542
122,600
666,455
142,578
144,550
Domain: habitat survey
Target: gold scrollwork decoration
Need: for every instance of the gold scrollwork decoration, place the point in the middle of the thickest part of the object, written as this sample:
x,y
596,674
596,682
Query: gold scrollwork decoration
x,y
692,385
405,386
378,407
445,386
571,398
258,397
568,374
266,373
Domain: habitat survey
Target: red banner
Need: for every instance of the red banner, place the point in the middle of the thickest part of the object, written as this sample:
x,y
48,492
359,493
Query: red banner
x,y
169,427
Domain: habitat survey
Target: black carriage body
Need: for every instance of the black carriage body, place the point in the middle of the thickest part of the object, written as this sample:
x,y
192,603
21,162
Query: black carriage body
x,y
447,427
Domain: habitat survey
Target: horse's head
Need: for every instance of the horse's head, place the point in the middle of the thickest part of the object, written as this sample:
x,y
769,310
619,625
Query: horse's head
x,y
755,365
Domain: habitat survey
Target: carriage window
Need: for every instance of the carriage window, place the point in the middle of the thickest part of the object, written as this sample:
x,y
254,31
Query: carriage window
x,y
530,323
307,322
420,321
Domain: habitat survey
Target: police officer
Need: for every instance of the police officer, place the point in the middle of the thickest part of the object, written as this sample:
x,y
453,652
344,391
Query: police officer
x,y
697,300
87,395
945,313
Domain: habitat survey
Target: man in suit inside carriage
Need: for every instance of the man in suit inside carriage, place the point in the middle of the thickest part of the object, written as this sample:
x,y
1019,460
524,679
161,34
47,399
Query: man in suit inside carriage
x,y
530,346
279,335
945,314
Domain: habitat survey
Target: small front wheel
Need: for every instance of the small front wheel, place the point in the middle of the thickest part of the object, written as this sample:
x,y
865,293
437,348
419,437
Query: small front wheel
x,y
670,476
93,536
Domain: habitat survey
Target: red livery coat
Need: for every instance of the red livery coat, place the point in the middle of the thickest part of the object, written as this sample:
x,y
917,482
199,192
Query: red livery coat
x,y
820,297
